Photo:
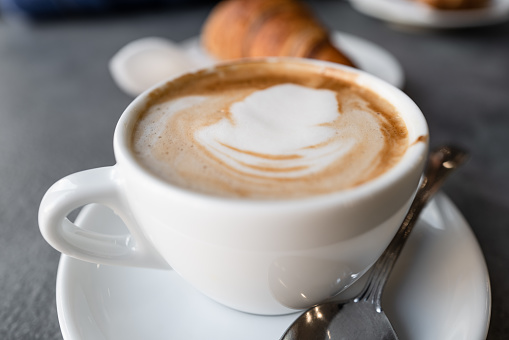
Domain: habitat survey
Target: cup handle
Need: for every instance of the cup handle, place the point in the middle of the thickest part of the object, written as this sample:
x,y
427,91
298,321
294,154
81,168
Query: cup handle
x,y
103,186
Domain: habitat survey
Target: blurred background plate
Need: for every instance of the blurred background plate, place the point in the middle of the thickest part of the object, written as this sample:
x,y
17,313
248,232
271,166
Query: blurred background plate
x,y
145,62
411,13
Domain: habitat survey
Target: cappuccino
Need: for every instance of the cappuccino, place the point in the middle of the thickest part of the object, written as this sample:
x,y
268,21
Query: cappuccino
x,y
284,129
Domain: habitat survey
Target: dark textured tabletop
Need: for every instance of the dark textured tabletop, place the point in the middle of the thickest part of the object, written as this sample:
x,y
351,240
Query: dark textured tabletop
x,y
59,106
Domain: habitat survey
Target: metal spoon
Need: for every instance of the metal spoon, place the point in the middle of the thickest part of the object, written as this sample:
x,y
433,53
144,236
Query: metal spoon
x,y
362,317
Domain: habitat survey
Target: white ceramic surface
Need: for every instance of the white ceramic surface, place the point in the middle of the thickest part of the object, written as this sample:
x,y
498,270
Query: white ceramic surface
x,y
411,13
439,290
147,61
227,248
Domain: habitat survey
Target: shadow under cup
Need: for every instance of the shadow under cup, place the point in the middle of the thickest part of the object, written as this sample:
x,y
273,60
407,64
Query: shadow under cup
x,y
259,256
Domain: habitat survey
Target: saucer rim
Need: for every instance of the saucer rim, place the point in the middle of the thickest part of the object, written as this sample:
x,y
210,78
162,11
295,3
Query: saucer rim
x,y
70,329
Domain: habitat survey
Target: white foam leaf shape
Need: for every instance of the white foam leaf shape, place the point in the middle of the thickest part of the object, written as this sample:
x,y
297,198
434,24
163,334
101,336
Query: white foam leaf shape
x,y
277,132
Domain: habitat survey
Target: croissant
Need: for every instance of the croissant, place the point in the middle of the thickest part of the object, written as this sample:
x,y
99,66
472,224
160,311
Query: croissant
x,y
262,28
455,4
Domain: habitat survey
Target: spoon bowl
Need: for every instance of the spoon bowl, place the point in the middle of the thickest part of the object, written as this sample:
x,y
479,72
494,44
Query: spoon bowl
x,y
326,320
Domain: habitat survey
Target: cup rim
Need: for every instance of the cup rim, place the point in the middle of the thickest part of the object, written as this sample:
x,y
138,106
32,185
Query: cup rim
x,y
412,159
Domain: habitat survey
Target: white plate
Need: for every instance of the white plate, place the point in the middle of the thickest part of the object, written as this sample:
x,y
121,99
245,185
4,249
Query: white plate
x,y
411,13
439,290
145,62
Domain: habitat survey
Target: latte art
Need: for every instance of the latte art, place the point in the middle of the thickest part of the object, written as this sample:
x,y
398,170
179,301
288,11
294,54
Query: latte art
x,y
279,137
267,137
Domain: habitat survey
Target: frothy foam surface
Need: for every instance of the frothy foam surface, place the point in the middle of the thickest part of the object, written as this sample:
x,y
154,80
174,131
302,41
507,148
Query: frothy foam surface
x,y
268,135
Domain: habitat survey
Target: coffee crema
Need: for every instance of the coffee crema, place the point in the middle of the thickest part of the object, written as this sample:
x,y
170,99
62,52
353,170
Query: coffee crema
x,y
268,131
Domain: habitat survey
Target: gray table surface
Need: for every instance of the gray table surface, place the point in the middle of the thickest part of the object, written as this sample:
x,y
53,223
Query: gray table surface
x,y
59,106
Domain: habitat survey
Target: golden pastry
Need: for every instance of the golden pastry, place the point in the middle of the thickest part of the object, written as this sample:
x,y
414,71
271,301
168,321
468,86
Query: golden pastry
x,y
262,28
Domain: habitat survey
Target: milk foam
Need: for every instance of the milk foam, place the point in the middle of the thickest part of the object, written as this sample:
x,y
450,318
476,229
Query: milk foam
x,y
267,136
283,140
149,130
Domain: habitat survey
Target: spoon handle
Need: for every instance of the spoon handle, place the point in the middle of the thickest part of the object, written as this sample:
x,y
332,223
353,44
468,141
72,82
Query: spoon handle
x,y
442,162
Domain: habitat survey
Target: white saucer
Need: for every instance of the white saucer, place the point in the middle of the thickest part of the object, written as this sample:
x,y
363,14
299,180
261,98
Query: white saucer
x,y
411,13
145,62
439,290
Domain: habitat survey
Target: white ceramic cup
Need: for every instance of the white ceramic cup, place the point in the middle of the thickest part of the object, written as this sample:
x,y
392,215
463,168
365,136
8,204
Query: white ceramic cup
x,y
263,257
